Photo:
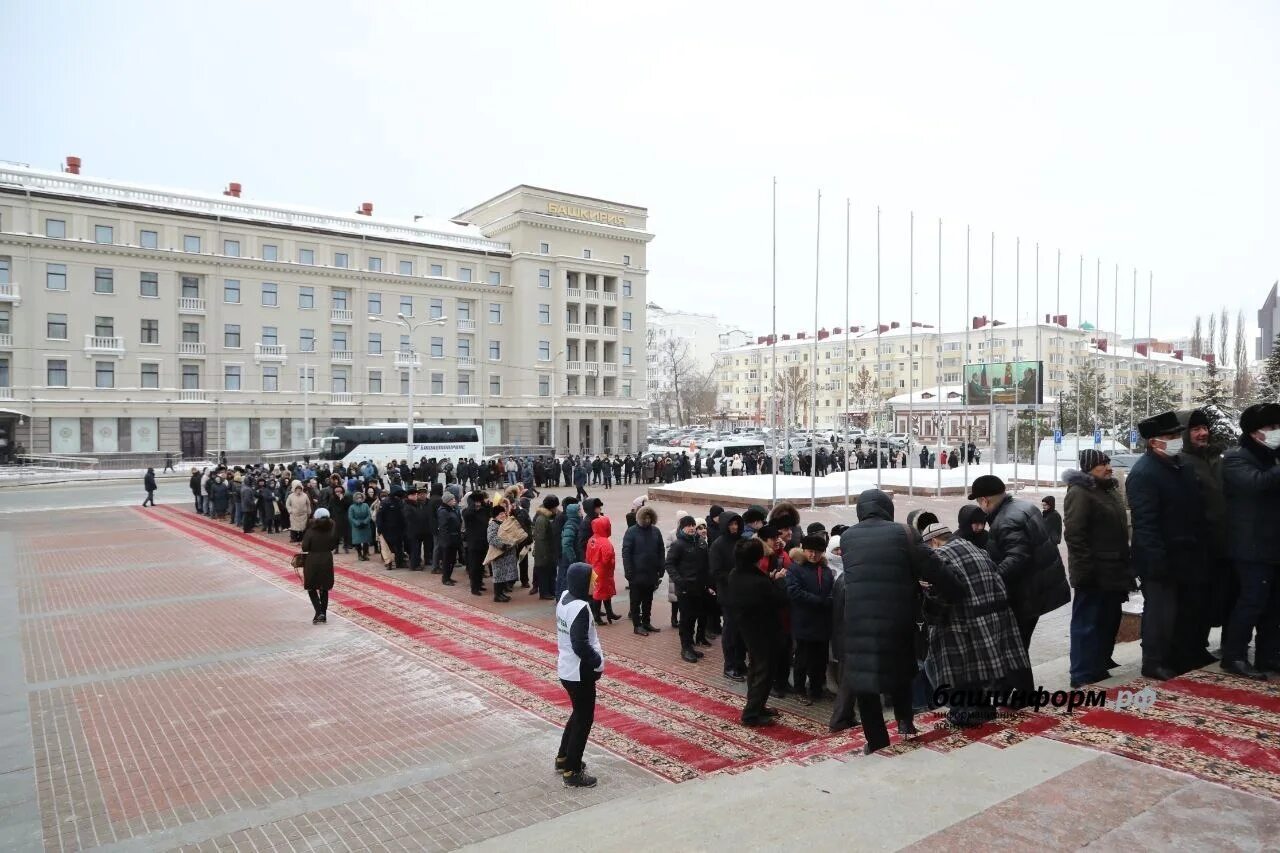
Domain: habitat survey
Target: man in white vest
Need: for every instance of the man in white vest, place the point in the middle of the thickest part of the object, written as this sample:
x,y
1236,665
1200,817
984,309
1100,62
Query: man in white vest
x,y
580,665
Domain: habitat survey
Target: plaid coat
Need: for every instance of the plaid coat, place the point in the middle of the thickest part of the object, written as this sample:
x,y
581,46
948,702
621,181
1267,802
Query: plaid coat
x,y
975,639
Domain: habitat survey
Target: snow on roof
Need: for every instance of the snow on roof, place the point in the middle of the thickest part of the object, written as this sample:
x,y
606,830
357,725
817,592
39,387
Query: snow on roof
x,y
429,232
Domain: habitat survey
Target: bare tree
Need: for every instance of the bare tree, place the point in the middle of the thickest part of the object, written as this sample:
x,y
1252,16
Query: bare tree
x,y
866,393
1243,385
1197,340
1224,326
1212,337
698,393
792,384
676,362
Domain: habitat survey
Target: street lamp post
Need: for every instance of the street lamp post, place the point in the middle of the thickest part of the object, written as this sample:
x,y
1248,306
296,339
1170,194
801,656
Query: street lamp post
x,y
412,328
554,435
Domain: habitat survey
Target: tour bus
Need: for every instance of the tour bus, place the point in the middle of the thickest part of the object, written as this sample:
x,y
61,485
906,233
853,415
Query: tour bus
x,y
382,442
715,449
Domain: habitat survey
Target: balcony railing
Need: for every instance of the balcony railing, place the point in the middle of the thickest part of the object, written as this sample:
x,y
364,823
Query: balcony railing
x,y
573,328
609,296
466,362
468,399
99,345
466,325
610,331
341,356
609,368
592,293
269,352
10,293
573,293
342,398
405,360
6,340
192,395
591,329
6,393
191,348
341,315
190,305
573,365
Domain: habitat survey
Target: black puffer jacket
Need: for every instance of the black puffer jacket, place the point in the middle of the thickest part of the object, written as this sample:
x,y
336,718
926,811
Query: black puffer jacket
x,y
1026,558
643,551
1251,474
882,570
1170,534
720,553
1097,533
687,562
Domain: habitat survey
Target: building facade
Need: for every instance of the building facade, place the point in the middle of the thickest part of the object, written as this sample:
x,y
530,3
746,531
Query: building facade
x,y
893,367
134,319
699,337
1268,323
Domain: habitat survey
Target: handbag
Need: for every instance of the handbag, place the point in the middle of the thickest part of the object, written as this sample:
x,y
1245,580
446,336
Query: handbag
x,y
298,563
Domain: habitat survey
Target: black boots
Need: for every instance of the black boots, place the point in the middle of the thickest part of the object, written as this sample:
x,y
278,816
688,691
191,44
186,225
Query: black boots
x,y
688,655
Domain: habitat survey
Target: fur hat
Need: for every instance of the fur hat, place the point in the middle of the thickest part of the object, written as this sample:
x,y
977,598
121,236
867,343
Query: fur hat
x,y
550,502
647,513
769,531
1165,423
1259,415
986,486
753,514
814,542
785,515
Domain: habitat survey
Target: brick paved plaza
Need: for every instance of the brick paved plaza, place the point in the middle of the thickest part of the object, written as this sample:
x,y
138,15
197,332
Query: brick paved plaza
x,y
164,688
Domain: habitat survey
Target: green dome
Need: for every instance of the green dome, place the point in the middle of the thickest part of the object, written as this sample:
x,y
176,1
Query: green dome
x,y
1087,326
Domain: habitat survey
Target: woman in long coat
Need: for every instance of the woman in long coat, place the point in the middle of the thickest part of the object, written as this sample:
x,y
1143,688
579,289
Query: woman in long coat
x,y
506,565
220,493
361,521
317,572
337,505
298,505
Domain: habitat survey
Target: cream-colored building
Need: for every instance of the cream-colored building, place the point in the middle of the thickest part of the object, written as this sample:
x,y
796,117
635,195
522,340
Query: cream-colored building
x,y
139,319
703,335
897,361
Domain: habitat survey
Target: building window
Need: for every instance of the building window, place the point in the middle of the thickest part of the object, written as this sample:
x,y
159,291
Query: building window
x,y
104,234
150,331
5,266
339,382
306,297
375,303
406,268
405,346
404,383
271,378
626,321
338,341
375,381
190,243
495,386
626,287
306,256
270,296
270,337
544,248
495,277
340,260
104,374
56,373
270,252
406,306
375,264
544,278
586,253
495,350
437,384
464,347
544,350
231,291
437,347
231,248
375,343
464,384
55,228
149,239
495,313
231,377
544,314
464,273
436,308
307,379
191,333
544,386
340,299
626,260
149,284
464,309
104,327
104,280
55,327
55,276
307,340
437,270
231,335
626,356
190,377
150,375
626,388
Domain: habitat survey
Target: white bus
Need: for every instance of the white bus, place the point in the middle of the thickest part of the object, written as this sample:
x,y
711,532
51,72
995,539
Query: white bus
x,y
715,449
380,443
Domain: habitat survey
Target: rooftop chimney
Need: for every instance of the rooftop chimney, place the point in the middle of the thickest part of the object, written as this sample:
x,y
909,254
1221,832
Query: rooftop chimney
x,y
823,334
800,336
73,165
1141,349
893,324
980,322
233,190
786,337
1210,358
837,330
1061,320
1178,354
366,209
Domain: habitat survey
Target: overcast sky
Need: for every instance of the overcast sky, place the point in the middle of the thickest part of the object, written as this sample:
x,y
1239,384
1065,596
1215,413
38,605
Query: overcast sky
x,y
1132,133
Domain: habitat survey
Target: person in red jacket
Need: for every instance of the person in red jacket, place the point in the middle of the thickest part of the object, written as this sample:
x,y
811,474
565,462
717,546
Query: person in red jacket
x,y
602,558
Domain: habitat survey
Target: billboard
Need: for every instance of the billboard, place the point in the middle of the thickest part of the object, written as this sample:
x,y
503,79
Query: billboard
x,y
1006,383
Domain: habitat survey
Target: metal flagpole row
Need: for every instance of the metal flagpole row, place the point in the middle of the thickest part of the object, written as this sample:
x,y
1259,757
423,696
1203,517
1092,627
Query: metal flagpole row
x,y
966,427
1085,360
1133,339
1035,435
1057,421
773,346
879,393
844,444
911,337
813,368
940,420
990,360
1151,277
1017,348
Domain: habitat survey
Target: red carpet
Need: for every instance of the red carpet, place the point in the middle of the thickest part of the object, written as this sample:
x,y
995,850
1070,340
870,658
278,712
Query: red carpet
x,y
1205,723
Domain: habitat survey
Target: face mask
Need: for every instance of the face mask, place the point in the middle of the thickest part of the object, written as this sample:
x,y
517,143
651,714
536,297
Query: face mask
x,y
1271,439
1173,447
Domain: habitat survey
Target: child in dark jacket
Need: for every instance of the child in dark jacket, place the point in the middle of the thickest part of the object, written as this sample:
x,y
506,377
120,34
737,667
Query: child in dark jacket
x,y
810,583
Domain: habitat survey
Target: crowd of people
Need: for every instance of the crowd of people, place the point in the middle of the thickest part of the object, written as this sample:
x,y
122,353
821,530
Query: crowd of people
x,y
904,612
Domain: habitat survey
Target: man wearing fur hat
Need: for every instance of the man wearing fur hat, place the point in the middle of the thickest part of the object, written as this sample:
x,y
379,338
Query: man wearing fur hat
x,y
1205,458
1251,475
809,586
1170,551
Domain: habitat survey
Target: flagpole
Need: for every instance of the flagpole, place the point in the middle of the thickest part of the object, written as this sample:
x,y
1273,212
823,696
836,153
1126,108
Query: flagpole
x,y
813,367
1115,312
911,337
966,428
991,350
1097,330
1057,423
940,420
1017,348
1151,277
845,444
1079,323
879,393
1133,335
773,346
1035,417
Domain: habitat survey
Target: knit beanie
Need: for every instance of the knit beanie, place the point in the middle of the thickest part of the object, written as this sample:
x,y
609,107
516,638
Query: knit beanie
x,y
1090,459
